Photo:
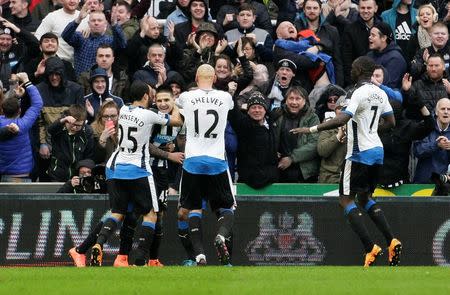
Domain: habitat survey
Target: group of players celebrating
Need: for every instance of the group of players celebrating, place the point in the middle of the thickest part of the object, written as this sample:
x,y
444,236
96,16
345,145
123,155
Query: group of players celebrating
x,y
205,175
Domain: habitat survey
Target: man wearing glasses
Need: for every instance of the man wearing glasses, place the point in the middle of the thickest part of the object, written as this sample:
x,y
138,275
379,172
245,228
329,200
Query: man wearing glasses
x,y
72,141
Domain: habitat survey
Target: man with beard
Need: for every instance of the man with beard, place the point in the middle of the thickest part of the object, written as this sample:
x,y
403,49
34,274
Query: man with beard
x,y
355,39
430,88
55,22
36,67
311,18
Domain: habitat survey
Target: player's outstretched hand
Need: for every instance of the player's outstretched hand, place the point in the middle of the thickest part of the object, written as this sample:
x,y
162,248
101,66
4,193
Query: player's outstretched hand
x,y
301,130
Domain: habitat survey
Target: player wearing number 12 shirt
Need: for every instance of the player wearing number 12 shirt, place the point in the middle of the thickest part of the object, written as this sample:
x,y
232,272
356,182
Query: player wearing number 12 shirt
x,y
205,169
364,158
128,171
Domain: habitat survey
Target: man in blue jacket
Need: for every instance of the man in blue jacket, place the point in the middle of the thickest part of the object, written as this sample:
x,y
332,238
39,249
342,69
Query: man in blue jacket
x,y
16,158
433,150
385,52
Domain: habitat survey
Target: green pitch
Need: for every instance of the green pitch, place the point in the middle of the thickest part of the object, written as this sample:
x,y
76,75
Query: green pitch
x,y
222,280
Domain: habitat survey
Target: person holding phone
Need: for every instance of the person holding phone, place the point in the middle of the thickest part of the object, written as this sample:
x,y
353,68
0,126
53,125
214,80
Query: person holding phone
x,y
105,131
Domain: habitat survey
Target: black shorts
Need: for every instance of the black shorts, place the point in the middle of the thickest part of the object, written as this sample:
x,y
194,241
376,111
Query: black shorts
x,y
161,178
140,192
216,189
358,178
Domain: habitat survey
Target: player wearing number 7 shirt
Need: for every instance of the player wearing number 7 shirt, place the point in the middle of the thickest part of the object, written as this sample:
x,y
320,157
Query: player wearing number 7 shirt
x,y
128,171
364,157
205,170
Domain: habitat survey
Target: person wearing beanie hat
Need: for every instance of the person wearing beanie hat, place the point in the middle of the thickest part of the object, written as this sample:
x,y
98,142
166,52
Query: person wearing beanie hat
x,y
257,150
386,53
256,98
332,146
328,100
99,83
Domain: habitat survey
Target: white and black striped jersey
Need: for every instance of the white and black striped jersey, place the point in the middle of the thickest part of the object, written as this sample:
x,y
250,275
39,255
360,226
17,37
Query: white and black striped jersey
x,y
366,105
161,136
131,159
205,117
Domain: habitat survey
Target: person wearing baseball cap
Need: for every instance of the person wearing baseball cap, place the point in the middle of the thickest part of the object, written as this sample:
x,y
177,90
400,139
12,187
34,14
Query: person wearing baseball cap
x,y
386,53
12,54
284,78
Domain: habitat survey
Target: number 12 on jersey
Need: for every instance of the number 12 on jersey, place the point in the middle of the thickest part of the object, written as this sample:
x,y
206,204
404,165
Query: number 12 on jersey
x,y
209,129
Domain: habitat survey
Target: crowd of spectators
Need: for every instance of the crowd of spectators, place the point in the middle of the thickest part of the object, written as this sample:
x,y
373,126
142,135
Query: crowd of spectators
x,y
83,57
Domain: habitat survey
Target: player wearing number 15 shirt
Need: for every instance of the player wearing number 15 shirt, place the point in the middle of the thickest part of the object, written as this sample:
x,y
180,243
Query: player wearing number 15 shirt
x,y
128,171
205,169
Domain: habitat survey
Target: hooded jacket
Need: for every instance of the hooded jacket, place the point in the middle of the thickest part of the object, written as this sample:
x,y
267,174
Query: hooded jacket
x,y
390,16
97,99
56,99
321,105
392,59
